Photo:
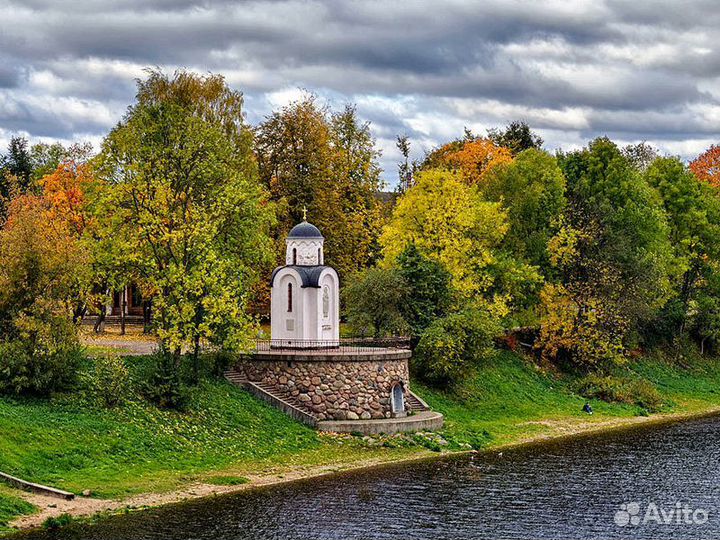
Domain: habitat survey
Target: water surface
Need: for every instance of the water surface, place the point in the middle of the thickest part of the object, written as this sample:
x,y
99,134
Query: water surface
x,y
564,489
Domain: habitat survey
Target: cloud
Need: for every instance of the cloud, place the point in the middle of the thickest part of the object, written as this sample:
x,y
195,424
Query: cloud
x,y
641,70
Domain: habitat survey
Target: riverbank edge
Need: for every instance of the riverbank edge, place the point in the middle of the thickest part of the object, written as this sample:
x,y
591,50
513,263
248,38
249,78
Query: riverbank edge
x,y
90,509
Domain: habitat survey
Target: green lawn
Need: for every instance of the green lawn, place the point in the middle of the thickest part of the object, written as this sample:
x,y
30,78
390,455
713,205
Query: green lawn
x,y
227,435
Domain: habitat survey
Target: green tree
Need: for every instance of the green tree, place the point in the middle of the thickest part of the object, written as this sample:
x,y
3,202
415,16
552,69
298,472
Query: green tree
x,y
185,206
18,162
693,214
452,346
428,294
613,254
532,190
517,137
374,299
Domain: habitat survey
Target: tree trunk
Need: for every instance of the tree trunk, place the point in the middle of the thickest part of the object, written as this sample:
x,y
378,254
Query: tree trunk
x,y
100,320
147,310
123,304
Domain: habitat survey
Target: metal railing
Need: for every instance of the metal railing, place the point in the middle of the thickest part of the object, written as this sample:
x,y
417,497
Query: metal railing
x,y
346,344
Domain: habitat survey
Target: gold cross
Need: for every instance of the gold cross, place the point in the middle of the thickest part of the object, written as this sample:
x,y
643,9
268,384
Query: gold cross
x,y
304,213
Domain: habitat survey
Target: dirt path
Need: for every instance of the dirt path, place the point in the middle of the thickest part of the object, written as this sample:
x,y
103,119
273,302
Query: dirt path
x,y
84,507
128,344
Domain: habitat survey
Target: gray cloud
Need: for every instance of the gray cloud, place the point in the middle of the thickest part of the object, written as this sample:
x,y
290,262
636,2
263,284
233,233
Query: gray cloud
x,y
641,70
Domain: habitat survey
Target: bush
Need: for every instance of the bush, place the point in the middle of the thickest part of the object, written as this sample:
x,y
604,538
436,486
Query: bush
x,y
620,390
24,371
108,382
161,381
450,347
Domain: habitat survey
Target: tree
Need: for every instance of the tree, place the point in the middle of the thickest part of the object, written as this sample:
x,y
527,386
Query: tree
x,y
613,255
428,295
44,270
517,137
406,168
46,158
532,190
472,157
707,166
448,222
452,346
18,162
184,207
374,299
310,157
693,214
640,155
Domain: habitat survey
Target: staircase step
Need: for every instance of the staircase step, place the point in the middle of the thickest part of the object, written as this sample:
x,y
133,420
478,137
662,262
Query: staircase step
x,y
238,380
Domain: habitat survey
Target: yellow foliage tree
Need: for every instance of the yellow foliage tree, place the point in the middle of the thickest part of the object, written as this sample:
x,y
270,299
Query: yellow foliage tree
x,y
449,223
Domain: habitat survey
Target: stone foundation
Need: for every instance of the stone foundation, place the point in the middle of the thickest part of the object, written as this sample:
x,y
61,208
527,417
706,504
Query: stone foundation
x,y
351,389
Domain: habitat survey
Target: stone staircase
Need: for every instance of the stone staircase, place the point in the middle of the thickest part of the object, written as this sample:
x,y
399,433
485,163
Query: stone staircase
x,y
415,403
285,402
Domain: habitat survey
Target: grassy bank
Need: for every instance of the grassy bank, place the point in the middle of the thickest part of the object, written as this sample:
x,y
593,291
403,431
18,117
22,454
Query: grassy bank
x,y
11,505
512,399
226,433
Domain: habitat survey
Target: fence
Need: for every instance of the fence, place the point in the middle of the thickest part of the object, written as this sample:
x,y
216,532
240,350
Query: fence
x,y
346,344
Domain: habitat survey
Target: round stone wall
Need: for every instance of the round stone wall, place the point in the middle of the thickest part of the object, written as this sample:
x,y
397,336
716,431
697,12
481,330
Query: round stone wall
x,y
330,390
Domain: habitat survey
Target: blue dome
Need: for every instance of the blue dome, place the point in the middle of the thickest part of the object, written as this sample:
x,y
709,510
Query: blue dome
x,y
305,230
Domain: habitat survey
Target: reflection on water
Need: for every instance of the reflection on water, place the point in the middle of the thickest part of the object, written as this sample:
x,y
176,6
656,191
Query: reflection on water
x,y
569,489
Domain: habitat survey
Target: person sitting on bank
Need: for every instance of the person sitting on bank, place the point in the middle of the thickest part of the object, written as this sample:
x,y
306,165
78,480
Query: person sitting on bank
x,y
587,408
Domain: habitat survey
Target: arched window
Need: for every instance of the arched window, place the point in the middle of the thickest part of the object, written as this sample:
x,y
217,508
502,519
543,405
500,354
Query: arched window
x,y
319,261
289,297
294,258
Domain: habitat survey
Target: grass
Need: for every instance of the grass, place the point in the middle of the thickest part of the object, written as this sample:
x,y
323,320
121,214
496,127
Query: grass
x,y
226,435
511,398
139,448
11,505
227,480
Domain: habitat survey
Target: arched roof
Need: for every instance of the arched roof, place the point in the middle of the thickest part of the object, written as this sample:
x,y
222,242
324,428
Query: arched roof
x,y
309,275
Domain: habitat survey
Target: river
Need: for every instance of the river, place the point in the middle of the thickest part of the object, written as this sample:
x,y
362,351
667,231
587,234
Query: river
x,y
650,482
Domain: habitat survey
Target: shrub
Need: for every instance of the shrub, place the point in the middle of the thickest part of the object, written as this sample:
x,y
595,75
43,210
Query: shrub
x,y
620,390
23,371
453,345
108,381
161,381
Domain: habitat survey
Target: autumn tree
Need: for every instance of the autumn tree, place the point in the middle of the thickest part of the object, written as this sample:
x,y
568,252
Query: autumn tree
x,y
613,254
311,157
707,166
184,207
471,157
45,273
449,222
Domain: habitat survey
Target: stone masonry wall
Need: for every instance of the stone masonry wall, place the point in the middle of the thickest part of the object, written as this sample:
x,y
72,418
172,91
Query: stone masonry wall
x,y
333,390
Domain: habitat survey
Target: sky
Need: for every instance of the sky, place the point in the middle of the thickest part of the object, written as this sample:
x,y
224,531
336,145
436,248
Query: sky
x,y
574,70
